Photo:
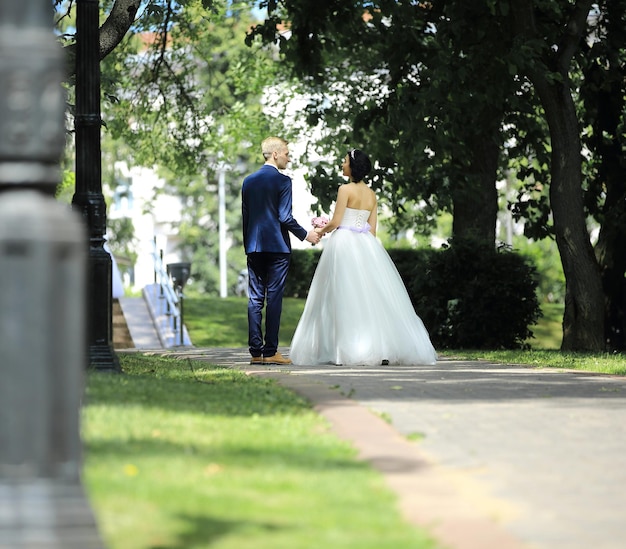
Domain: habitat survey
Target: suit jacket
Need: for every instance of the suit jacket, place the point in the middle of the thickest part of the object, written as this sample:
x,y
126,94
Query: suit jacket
x,y
266,199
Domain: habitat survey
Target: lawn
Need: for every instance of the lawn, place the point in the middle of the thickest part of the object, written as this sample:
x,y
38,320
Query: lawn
x,y
215,322
223,322
548,332
182,457
213,458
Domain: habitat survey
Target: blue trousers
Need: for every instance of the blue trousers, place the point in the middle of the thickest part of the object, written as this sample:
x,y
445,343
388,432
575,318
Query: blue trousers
x,y
267,273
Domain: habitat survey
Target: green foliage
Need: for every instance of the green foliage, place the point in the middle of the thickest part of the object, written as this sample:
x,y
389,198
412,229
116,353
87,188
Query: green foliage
x,y
544,255
471,296
468,295
407,261
301,271
198,230
66,188
122,243
187,100
192,95
548,333
408,83
184,454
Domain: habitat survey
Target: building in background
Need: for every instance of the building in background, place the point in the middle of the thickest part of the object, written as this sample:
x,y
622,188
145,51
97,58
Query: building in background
x,y
154,216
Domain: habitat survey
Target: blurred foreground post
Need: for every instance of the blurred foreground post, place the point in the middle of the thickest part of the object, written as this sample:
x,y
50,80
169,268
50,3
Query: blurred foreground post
x,y
42,302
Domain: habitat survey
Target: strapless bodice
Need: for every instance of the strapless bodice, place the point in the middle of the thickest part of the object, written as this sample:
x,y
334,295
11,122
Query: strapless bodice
x,y
355,218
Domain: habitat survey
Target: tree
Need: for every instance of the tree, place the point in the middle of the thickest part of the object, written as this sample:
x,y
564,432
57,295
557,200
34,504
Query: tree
x,y
548,68
154,54
603,93
451,142
209,115
378,75
596,76
186,98
121,17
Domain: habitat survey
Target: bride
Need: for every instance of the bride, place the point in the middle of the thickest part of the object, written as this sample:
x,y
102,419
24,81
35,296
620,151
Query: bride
x,y
358,311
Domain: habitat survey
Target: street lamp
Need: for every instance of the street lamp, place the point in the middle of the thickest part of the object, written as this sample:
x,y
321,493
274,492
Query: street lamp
x,y
88,198
179,273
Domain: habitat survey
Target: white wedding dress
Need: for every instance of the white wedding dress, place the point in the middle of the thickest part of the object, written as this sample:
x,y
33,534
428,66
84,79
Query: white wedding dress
x,y
358,311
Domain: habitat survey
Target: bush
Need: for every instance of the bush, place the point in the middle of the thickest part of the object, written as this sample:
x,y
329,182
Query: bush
x,y
407,261
471,296
301,270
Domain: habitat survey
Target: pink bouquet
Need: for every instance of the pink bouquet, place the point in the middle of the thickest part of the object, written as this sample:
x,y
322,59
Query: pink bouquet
x,y
319,222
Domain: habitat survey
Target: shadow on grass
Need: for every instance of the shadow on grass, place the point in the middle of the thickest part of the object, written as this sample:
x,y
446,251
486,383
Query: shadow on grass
x,y
207,530
169,384
257,397
307,457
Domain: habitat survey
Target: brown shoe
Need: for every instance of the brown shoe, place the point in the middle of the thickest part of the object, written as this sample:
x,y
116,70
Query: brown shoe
x,y
276,359
256,360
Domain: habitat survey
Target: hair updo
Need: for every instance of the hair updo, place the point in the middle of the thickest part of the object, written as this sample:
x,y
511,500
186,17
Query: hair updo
x,y
360,164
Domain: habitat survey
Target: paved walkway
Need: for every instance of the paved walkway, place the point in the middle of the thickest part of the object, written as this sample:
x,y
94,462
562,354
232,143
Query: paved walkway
x,y
487,456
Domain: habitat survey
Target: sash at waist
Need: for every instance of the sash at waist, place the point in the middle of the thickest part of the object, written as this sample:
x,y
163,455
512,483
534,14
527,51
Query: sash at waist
x,y
365,229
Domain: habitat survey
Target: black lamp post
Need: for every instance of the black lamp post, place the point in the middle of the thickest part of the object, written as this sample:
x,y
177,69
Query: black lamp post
x,y
179,273
88,198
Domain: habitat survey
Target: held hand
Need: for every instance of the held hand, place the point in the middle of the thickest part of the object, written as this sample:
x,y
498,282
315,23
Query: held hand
x,y
312,237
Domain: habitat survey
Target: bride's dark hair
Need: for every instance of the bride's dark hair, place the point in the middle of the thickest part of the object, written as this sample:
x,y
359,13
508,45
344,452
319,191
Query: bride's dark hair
x,y
360,164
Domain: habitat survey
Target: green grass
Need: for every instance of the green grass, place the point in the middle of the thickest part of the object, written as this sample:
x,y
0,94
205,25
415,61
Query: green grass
x,y
601,363
548,332
215,322
545,353
213,458
182,458
223,322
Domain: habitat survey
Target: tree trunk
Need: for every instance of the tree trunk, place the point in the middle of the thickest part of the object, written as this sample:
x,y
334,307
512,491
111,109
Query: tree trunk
x,y
610,249
475,201
611,254
583,320
604,87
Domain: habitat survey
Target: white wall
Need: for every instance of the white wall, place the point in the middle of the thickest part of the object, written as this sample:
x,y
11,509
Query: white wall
x,y
152,218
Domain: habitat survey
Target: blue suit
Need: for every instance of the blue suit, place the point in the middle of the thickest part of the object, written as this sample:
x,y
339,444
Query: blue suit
x,y
267,220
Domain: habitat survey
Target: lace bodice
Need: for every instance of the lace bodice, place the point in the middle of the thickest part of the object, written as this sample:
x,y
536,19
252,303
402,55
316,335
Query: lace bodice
x,y
355,218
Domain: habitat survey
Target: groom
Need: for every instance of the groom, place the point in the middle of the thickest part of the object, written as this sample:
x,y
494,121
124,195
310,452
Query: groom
x,y
266,197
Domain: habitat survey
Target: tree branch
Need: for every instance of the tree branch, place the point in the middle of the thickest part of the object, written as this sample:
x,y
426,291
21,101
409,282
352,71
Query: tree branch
x,y
574,30
112,32
116,26
162,42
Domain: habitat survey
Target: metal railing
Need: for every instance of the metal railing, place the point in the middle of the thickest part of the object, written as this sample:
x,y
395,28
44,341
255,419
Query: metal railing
x,y
167,293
